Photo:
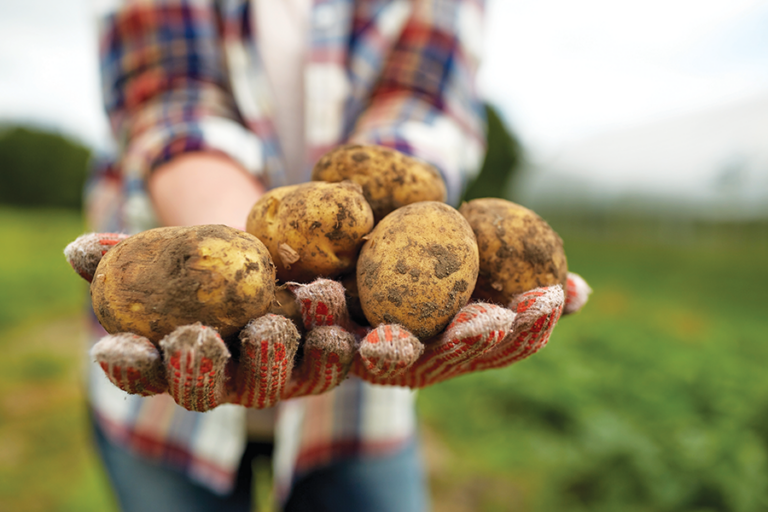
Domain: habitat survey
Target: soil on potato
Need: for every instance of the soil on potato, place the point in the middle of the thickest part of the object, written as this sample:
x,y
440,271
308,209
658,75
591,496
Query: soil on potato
x,y
418,268
519,251
312,230
389,179
150,283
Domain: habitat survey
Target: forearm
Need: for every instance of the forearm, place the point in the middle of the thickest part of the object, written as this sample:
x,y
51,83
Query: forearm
x,y
203,188
166,87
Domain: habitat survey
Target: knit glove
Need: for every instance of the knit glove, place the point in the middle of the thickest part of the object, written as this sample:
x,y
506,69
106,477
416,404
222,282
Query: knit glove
x,y
200,371
480,337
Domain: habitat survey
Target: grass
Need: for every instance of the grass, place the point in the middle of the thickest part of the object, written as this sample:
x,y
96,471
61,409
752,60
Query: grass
x,y
654,398
46,460
35,283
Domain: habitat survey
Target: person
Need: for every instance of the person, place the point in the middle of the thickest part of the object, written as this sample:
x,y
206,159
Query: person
x,y
211,104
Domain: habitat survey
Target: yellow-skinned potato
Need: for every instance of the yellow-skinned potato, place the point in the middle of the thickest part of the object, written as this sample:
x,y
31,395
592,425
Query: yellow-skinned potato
x,y
389,178
519,251
158,280
418,268
312,230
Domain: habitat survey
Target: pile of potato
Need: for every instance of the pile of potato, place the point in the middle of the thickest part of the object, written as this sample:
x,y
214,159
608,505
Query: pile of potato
x,y
373,218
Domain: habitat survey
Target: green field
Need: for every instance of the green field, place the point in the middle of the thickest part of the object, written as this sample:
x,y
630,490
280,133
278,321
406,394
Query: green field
x,y
46,462
654,398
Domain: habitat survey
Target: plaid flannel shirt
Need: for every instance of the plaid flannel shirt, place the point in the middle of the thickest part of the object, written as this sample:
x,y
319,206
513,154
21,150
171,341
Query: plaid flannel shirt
x,y
185,75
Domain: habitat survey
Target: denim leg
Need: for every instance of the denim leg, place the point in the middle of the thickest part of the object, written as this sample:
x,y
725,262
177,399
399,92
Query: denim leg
x,y
396,483
141,485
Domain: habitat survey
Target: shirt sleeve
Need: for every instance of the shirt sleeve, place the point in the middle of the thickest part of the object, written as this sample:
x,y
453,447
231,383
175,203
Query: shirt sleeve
x,y
425,103
166,88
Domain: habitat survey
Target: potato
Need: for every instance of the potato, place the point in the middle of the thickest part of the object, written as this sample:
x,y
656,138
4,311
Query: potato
x,y
389,178
418,268
312,230
158,280
518,250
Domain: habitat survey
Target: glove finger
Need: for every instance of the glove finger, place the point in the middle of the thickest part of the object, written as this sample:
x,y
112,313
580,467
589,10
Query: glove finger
x,y
195,360
85,253
537,311
328,355
322,303
476,329
576,293
387,352
269,346
132,363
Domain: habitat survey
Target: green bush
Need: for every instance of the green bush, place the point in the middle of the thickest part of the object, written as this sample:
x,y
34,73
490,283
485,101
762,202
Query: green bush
x,y
503,158
41,169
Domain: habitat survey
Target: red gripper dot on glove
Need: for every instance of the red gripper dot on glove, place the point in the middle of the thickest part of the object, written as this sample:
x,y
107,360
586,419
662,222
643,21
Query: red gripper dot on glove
x,y
388,350
474,330
132,363
269,345
537,312
195,360
86,251
328,354
322,304
330,344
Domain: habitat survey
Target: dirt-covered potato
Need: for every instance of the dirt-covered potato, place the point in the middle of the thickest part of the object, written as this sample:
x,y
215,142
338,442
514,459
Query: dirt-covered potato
x,y
312,230
518,250
418,268
158,280
389,178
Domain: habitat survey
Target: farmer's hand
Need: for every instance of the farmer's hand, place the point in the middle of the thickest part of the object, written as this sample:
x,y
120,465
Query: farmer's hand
x,y
193,363
195,366
480,337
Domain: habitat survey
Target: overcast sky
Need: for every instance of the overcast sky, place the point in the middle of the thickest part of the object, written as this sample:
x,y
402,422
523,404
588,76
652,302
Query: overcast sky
x,y
564,69
48,68
558,69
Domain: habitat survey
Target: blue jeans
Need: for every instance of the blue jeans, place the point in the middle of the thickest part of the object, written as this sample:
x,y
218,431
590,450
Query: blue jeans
x,y
395,483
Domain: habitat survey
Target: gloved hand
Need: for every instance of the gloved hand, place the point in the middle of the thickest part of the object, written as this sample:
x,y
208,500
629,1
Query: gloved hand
x,y
480,337
197,368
